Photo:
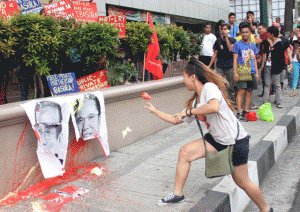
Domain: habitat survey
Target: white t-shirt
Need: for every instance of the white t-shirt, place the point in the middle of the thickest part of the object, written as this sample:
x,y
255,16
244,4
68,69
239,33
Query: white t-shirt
x,y
208,44
223,124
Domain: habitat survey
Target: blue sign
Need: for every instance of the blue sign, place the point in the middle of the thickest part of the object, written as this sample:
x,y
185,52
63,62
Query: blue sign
x,y
63,83
26,5
35,10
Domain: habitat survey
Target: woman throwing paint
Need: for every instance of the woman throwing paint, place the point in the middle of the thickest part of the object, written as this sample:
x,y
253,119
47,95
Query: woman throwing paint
x,y
213,107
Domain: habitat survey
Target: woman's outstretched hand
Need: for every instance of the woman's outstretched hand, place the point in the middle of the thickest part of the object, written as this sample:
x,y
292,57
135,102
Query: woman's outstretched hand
x,y
150,107
180,115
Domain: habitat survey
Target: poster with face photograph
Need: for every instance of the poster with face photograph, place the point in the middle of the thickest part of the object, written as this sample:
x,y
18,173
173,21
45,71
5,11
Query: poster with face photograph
x,y
88,116
50,122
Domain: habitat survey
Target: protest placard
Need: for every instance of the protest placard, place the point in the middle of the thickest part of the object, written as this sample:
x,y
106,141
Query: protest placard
x,y
26,5
35,10
8,9
118,21
62,83
59,9
93,81
85,11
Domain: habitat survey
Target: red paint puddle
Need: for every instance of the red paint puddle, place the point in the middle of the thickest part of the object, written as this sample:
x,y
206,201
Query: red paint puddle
x,y
76,154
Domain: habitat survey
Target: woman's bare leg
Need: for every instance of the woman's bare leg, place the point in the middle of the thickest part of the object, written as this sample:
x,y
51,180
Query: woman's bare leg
x,y
188,153
241,178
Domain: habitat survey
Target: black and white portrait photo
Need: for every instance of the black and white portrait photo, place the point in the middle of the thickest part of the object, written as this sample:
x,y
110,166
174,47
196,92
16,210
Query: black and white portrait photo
x,y
49,120
89,118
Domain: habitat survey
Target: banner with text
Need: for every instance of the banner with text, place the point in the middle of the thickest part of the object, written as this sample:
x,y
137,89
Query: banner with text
x,y
93,81
63,83
27,5
85,11
60,9
8,9
118,21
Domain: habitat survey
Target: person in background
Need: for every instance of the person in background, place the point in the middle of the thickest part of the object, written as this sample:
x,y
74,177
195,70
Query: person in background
x,y
242,50
263,51
234,27
223,52
218,33
208,42
277,20
287,54
296,60
274,65
250,20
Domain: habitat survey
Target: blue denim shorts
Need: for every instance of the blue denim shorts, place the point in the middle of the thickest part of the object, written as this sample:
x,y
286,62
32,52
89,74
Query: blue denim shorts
x,y
240,150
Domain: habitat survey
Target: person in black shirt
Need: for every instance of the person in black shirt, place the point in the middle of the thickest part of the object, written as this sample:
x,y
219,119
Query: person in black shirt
x,y
250,20
275,64
223,52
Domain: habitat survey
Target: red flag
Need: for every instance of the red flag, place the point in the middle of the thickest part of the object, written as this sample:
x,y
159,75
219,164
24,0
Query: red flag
x,y
153,60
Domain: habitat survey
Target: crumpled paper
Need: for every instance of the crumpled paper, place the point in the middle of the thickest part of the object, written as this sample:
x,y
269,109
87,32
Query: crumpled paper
x,y
97,171
127,130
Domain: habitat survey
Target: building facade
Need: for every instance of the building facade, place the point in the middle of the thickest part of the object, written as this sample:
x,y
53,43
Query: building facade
x,y
276,9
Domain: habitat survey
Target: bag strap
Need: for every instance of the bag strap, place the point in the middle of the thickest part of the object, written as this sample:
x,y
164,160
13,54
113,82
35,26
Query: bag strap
x,y
200,128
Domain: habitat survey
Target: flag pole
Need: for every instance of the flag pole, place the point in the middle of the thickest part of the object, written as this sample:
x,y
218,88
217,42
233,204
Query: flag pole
x,y
144,70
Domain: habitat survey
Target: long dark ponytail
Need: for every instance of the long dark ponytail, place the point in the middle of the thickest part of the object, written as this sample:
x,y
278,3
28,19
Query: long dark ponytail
x,y
204,75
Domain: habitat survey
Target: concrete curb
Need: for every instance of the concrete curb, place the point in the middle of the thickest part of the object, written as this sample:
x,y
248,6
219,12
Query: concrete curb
x,y
226,196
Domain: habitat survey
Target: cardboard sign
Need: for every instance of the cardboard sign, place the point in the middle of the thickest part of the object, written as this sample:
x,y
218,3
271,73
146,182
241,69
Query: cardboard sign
x,y
60,9
62,83
35,10
118,21
93,81
8,8
26,5
85,11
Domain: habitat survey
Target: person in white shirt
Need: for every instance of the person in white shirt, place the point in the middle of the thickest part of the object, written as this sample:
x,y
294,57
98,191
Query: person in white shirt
x,y
214,108
208,42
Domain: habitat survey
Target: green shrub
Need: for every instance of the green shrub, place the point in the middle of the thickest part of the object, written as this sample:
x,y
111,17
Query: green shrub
x,y
138,37
118,73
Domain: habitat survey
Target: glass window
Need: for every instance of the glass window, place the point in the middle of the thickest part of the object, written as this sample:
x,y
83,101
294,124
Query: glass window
x,y
245,2
238,2
245,8
274,5
275,13
281,5
253,7
239,16
238,9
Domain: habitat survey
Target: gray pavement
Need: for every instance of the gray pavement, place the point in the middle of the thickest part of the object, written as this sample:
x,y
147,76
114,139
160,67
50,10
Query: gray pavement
x,y
281,187
135,177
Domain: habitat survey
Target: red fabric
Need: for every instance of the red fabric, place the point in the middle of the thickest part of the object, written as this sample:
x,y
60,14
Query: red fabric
x,y
153,60
251,116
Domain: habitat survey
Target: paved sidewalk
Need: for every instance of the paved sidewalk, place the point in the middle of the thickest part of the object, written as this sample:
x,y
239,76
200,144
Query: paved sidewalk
x,y
135,177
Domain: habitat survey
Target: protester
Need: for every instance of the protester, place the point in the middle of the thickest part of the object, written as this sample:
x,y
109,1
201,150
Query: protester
x,y
250,20
223,52
274,65
296,60
214,107
208,42
287,55
263,51
293,38
234,27
241,53
277,20
218,33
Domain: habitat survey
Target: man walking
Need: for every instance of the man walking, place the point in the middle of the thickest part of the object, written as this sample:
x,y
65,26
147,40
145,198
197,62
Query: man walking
x,y
208,42
274,65
223,52
242,50
234,27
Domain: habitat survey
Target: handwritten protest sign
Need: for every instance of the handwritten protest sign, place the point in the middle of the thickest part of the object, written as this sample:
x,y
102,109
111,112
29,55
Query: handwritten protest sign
x,y
35,10
8,8
93,81
63,83
118,21
26,5
85,11
60,9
